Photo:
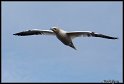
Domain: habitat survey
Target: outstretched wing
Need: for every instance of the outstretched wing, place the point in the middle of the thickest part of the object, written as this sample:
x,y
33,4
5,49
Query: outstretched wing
x,y
35,32
74,34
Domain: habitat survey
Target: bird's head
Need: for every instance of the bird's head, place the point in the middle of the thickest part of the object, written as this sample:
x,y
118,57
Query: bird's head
x,y
55,29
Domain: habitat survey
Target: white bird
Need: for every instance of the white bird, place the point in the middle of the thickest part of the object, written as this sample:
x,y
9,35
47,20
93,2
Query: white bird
x,y
64,36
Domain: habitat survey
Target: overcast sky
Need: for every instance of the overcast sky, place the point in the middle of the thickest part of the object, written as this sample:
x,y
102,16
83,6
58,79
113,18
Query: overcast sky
x,y
45,58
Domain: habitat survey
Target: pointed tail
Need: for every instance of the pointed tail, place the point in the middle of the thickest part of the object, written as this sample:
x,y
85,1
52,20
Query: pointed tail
x,y
72,45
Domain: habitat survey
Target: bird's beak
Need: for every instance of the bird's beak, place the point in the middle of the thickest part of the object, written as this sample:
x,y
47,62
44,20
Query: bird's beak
x,y
51,29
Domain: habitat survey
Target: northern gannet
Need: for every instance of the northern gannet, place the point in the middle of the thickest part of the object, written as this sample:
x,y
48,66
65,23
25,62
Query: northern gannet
x,y
64,36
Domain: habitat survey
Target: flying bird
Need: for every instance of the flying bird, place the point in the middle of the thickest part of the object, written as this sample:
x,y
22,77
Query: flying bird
x,y
64,36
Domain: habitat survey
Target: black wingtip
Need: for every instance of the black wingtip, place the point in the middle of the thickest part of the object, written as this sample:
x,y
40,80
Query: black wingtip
x,y
15,34
115,38
20,34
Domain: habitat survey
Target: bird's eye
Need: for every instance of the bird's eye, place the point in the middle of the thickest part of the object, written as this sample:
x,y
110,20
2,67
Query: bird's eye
x,y
54,28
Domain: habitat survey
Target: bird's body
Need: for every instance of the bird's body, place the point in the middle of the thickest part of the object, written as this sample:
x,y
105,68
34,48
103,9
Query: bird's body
x,y
64,36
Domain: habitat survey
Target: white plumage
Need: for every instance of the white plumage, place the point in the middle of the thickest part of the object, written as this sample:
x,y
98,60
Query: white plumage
x,y
64,36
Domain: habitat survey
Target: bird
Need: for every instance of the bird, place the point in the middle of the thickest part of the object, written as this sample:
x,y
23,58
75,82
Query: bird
x,y
65,37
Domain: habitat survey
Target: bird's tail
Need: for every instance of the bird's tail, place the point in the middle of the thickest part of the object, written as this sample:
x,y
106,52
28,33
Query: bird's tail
x,y
72,45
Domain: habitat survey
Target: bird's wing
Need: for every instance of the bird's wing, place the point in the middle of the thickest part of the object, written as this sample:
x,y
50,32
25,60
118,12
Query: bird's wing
x,y
35,32
74,34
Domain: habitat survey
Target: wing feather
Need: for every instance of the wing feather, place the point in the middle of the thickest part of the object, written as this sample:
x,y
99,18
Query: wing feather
x,y
75,34
35,32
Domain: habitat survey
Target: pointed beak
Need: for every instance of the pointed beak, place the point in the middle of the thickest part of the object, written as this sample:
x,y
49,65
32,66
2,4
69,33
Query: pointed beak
x,y
51,29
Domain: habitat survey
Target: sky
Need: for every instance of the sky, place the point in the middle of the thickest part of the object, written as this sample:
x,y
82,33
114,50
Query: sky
x,y
45,59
